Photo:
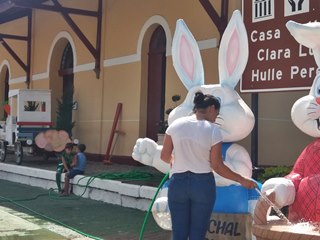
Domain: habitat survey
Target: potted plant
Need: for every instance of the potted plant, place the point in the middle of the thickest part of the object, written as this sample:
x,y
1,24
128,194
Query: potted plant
x,y
272,172
163,124
64,115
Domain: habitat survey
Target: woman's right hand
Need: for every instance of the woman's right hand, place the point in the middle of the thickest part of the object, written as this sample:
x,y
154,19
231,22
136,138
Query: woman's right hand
x,y
248,182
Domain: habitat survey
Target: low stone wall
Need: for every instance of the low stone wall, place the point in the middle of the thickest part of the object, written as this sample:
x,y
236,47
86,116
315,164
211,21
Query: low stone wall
x,y
109,191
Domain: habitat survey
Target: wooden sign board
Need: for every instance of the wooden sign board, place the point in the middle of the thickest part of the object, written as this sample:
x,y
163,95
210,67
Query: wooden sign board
x,y
276,61
230,226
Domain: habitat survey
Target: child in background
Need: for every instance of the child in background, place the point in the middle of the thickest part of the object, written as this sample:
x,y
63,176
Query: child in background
x,y
77,167
65,165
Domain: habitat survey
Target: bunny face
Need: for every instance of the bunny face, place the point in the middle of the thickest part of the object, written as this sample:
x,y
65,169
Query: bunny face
x,y
236,119
305,112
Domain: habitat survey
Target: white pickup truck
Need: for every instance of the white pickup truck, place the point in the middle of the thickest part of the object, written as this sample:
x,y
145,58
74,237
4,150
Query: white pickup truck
x,y
30,113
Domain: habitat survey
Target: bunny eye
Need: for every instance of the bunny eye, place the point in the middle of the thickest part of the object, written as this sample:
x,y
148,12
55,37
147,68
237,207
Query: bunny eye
x,y
317,87
317,91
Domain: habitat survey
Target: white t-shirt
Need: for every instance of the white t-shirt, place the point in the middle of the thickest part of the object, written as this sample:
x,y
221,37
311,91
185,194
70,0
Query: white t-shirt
x,y
192,141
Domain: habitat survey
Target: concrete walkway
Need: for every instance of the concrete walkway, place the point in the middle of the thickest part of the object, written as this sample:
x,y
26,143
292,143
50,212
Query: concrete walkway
x,y
16,225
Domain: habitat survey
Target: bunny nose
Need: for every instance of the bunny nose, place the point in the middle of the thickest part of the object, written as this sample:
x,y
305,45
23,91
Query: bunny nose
x,y
318,100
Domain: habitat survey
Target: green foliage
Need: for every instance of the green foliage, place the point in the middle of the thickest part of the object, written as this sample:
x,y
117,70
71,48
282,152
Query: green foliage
x,y
175,99
272,172
31,106
64,115
163,125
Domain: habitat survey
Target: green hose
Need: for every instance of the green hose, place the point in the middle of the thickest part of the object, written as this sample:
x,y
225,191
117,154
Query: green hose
x,y
25,199
129,176
123,176
133,176
150,207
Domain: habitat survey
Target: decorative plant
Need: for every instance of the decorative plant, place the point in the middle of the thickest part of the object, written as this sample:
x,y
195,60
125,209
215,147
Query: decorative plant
x,y
64,115
163,125
31,106
272,172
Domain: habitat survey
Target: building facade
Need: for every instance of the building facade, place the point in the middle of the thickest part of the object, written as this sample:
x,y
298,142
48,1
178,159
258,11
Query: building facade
x,y
126,58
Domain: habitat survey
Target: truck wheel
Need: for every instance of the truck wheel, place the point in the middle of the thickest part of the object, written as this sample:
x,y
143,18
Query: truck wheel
x,y
3,151
18,152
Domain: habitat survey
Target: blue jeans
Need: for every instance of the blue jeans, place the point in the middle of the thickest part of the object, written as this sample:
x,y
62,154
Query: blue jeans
x,y
191,197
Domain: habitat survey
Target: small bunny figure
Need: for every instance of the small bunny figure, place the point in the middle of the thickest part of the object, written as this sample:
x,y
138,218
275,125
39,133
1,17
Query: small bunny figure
x,y
300,189
235,119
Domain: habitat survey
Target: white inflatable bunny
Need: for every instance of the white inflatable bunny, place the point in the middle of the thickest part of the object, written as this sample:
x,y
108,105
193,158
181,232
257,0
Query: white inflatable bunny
x,y
236,119
301,189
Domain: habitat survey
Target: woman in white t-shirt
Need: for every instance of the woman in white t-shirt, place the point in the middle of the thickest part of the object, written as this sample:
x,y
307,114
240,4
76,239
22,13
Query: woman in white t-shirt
x,y
192,146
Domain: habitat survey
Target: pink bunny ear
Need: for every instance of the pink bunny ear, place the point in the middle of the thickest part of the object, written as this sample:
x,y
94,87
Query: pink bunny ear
x,y
186,57
233,52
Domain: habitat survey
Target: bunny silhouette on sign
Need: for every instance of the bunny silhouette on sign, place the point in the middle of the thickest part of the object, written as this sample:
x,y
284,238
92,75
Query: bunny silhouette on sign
x,y
235,119
301,188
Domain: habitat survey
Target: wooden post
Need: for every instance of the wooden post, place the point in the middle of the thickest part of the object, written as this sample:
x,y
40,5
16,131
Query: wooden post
x,y
107,159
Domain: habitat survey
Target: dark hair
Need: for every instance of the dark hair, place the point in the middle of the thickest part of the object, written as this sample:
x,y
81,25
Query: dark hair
x,y
82,147
69,146
202,101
